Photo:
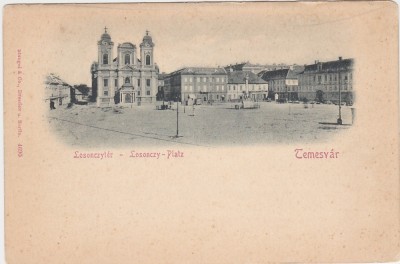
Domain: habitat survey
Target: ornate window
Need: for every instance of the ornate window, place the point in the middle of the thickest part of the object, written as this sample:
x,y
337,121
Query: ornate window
x,y
105,58
127,80
147,59
127,59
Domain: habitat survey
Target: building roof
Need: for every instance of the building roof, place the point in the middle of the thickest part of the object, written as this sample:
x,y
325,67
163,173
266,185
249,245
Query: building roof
x,y
200,71
53,79
240,77
330,66
273,75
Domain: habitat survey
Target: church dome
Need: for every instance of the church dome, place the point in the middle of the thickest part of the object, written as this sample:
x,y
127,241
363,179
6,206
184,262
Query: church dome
x,y
147,40
105,36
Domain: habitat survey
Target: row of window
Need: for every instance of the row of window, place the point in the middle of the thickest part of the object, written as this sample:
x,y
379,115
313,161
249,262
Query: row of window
x,y
204,79
127,59
309,88
326,77
251,87
127,81
204,89
105,93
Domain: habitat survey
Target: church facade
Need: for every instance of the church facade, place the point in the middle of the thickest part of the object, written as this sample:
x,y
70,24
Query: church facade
x,y
126,79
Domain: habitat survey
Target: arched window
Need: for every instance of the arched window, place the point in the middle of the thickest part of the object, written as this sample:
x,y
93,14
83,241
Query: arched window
x,y
105,58
147,59
127,80
127,59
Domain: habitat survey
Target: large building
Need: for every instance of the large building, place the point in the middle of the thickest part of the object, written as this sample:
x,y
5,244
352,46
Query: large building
x,y
321,80
282,84
196,83
57,90
126,79
243,84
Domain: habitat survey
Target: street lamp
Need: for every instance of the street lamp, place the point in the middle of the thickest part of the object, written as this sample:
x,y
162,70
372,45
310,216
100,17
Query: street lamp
x,y
177,117
339,120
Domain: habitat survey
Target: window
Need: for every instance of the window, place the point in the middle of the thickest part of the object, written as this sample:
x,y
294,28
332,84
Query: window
x,y
105,58
147,82
147,59
127,59
127,80
204,79
217,87
190,88
185,79
138,82
222,87
198,79
105,93
217,79
240,87
105,82
185,87
116,82
190,79
148,92
138,93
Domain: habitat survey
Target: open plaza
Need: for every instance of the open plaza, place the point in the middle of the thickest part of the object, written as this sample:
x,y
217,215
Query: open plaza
x,y
201,125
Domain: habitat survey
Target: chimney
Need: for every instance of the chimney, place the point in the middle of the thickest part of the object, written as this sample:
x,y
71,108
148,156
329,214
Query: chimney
x,y
340,58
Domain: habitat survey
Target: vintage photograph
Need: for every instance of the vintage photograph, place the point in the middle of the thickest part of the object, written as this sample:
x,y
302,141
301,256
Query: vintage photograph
x,y
252,81
202,132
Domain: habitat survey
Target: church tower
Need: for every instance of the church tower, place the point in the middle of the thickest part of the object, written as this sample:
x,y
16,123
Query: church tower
x,y
105,71
146,51
105,49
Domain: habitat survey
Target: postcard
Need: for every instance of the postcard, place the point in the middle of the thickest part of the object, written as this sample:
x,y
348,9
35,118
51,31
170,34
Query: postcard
x,y
208,132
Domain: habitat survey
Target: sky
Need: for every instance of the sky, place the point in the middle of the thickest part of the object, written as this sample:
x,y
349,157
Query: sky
x,y
212,34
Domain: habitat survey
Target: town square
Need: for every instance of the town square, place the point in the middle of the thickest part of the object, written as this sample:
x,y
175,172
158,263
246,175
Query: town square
x,y
130,99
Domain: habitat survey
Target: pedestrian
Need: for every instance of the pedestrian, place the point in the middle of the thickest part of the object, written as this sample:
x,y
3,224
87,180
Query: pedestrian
x,y
52,105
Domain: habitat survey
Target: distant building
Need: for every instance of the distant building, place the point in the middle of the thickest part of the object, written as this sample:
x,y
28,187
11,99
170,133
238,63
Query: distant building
x,y
242,83
255,68
160,93
57,90
283,84
188,84
126,78
321,80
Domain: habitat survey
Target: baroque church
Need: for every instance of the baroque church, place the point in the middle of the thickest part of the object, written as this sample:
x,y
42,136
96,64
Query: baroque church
x,y
125,79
